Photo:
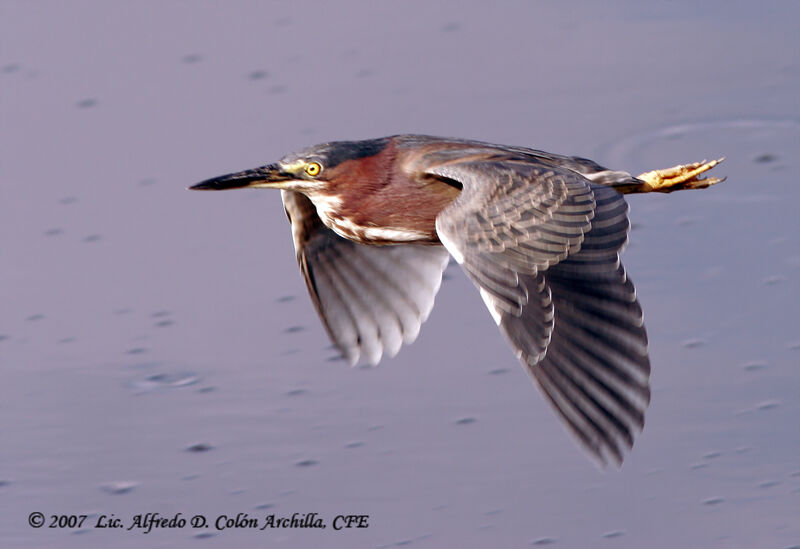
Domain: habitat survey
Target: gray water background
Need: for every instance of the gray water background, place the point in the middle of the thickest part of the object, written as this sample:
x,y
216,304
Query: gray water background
x,y
158,351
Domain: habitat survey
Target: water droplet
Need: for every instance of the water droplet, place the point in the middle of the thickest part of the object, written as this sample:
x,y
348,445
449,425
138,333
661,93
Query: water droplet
x,y
693,343
136,351
296,392
614,534
774,280
465,421
306,463
765,158
354,444
92,238
451,27
179,380
119,487
204,535
200,447
498,371
34,318
262,506
68,200
11,67
86,103
294,329
286,298
258,75
54,232
163,381
713,501
712,455
543,541
754,366
768,405
192,58
768,483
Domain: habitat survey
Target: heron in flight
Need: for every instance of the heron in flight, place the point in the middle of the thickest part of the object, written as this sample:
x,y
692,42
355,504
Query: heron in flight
x,y
375,223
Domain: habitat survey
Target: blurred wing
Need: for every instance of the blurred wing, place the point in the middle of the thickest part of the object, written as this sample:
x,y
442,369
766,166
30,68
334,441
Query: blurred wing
x,y
542,244
371,299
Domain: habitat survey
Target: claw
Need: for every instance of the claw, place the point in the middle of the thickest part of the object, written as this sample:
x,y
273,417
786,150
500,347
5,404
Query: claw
x,y
679,178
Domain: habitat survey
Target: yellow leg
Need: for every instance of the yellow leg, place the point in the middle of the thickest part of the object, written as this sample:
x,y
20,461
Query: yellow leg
x,y
677,178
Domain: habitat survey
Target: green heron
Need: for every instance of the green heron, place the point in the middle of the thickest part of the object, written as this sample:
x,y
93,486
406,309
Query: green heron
x,y
375,222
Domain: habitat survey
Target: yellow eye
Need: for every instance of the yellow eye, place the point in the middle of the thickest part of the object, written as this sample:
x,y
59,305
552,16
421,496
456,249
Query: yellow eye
x,y
313,169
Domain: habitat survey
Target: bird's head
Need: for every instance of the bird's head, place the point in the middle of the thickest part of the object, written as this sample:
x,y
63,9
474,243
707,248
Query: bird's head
x,y
317,169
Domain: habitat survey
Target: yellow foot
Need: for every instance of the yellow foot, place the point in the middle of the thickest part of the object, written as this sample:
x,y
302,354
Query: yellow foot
x,y
678,178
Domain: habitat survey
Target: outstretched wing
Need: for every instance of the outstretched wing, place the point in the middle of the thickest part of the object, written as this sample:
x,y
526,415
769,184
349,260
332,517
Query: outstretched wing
x,y
542,244
371,299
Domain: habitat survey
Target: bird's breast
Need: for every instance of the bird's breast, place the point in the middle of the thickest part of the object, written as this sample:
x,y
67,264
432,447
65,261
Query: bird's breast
x,y
355,225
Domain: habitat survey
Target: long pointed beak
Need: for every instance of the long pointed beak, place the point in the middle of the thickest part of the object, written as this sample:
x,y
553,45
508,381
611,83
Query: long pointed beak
x,y
269,176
